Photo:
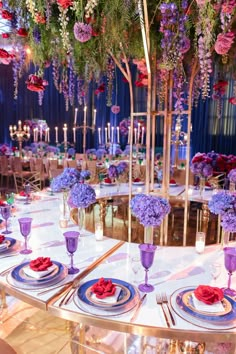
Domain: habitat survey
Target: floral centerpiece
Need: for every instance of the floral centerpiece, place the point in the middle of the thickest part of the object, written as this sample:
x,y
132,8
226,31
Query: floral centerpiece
x,y
81,196
232,179
65,180
224,204
201,166
150,211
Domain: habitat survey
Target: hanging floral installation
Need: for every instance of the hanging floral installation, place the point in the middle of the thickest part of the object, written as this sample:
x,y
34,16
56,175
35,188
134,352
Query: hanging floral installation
x,y
85,39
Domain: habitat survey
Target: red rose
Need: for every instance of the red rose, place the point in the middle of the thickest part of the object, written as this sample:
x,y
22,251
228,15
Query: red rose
x,y
2,238
173,181
103,288
232,100
137,180
7,15
107,180
5,35
65,3
4,54
22,32
208,294
40,264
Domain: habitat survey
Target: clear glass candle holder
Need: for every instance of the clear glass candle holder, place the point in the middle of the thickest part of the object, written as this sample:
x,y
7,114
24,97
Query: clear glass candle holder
x,y
200,242
99,231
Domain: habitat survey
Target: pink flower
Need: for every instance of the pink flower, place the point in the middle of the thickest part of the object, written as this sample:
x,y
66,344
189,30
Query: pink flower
x,y
232,100
7,15
82,32
228,7
201,2
115,109
4,54
5,35
224,42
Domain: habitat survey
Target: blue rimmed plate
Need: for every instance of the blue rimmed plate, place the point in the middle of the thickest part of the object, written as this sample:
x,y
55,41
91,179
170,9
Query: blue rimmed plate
x,y
126,300
10,243
183,306
18,278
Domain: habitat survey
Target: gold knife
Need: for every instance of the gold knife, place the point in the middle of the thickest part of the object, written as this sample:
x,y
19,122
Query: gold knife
x,y
137,308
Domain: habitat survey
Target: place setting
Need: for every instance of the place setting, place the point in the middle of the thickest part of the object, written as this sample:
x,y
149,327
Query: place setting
x,y
208,306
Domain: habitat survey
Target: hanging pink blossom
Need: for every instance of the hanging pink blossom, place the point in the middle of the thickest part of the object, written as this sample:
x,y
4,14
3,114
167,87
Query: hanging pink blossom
x,y
115,109
232,100
224,42
82,32
228,6
4,54
7,15
201,3
36,83
5,35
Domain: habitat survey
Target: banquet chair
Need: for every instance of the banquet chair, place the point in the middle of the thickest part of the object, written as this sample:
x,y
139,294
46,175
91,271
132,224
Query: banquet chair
x,y
72,163
92,167
54,172
40,169
21,177
6,171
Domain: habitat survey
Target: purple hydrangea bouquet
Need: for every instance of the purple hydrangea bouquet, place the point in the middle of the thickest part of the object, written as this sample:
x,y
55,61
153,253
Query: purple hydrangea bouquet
x,y
65,180
232,179
224,204
149,209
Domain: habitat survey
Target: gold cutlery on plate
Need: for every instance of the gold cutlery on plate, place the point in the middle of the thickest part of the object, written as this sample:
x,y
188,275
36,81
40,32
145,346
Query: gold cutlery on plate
x,y
138,308
165,301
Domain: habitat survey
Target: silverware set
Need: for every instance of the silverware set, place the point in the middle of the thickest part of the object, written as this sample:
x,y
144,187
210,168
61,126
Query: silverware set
x,y
162,300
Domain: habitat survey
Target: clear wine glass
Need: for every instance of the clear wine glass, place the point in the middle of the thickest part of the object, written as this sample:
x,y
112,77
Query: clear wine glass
x,y
27,192
230,265
25,229
215,270
135,266
6,213
147,252
72,238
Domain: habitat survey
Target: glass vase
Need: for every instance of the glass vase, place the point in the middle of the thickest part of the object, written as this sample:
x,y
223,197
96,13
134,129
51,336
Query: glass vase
x,y
201,186
225,238
64,210
148,234
81,220
232,187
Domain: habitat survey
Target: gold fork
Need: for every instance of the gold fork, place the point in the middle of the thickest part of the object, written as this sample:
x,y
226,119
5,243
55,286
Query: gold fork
x,y
165,301
159,302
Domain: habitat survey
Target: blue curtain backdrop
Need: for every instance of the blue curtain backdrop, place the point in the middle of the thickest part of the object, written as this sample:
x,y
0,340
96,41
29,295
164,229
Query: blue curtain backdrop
x,y
208,131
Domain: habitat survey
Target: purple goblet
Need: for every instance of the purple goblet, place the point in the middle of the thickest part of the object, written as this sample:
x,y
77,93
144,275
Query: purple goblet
x,y
72,238
25,228
230,265
6,213
147,252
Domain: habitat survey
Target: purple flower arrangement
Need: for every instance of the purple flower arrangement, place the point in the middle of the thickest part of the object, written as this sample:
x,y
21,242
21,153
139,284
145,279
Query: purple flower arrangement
x,y
65,180
81,196
112,171
121,167
85,175
149,209
224,204
201,165
232,175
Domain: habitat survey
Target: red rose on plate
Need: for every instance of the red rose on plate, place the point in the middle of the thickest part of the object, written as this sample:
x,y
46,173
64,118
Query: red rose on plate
x,y
40,264
107,180
103,288
22,194
137,180
172,181
208,294
2,238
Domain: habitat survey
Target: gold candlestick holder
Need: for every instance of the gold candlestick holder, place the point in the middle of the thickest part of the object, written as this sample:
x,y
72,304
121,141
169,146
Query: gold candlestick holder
x,y
19,134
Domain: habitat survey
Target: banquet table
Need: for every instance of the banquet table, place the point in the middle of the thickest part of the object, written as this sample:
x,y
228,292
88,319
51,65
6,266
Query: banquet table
x,y
174,269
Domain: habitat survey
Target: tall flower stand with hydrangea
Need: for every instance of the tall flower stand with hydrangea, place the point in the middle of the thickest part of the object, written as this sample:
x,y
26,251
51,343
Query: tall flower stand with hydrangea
x,y
81,220
150,210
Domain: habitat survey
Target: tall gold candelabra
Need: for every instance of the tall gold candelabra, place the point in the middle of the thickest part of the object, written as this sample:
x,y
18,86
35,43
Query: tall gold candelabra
x,y
178,138
19,134
85,127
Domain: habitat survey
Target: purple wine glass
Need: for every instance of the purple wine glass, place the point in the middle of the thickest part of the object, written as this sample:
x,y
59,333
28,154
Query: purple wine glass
x,y
230,265
147,252
72,238
25,228
6,213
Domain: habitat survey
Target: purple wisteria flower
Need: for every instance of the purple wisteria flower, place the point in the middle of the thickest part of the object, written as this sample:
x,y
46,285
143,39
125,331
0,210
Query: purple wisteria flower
x,y
232,175
121,167
81,196
150,210
84,175
82,32
222,202
65,180
112,171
